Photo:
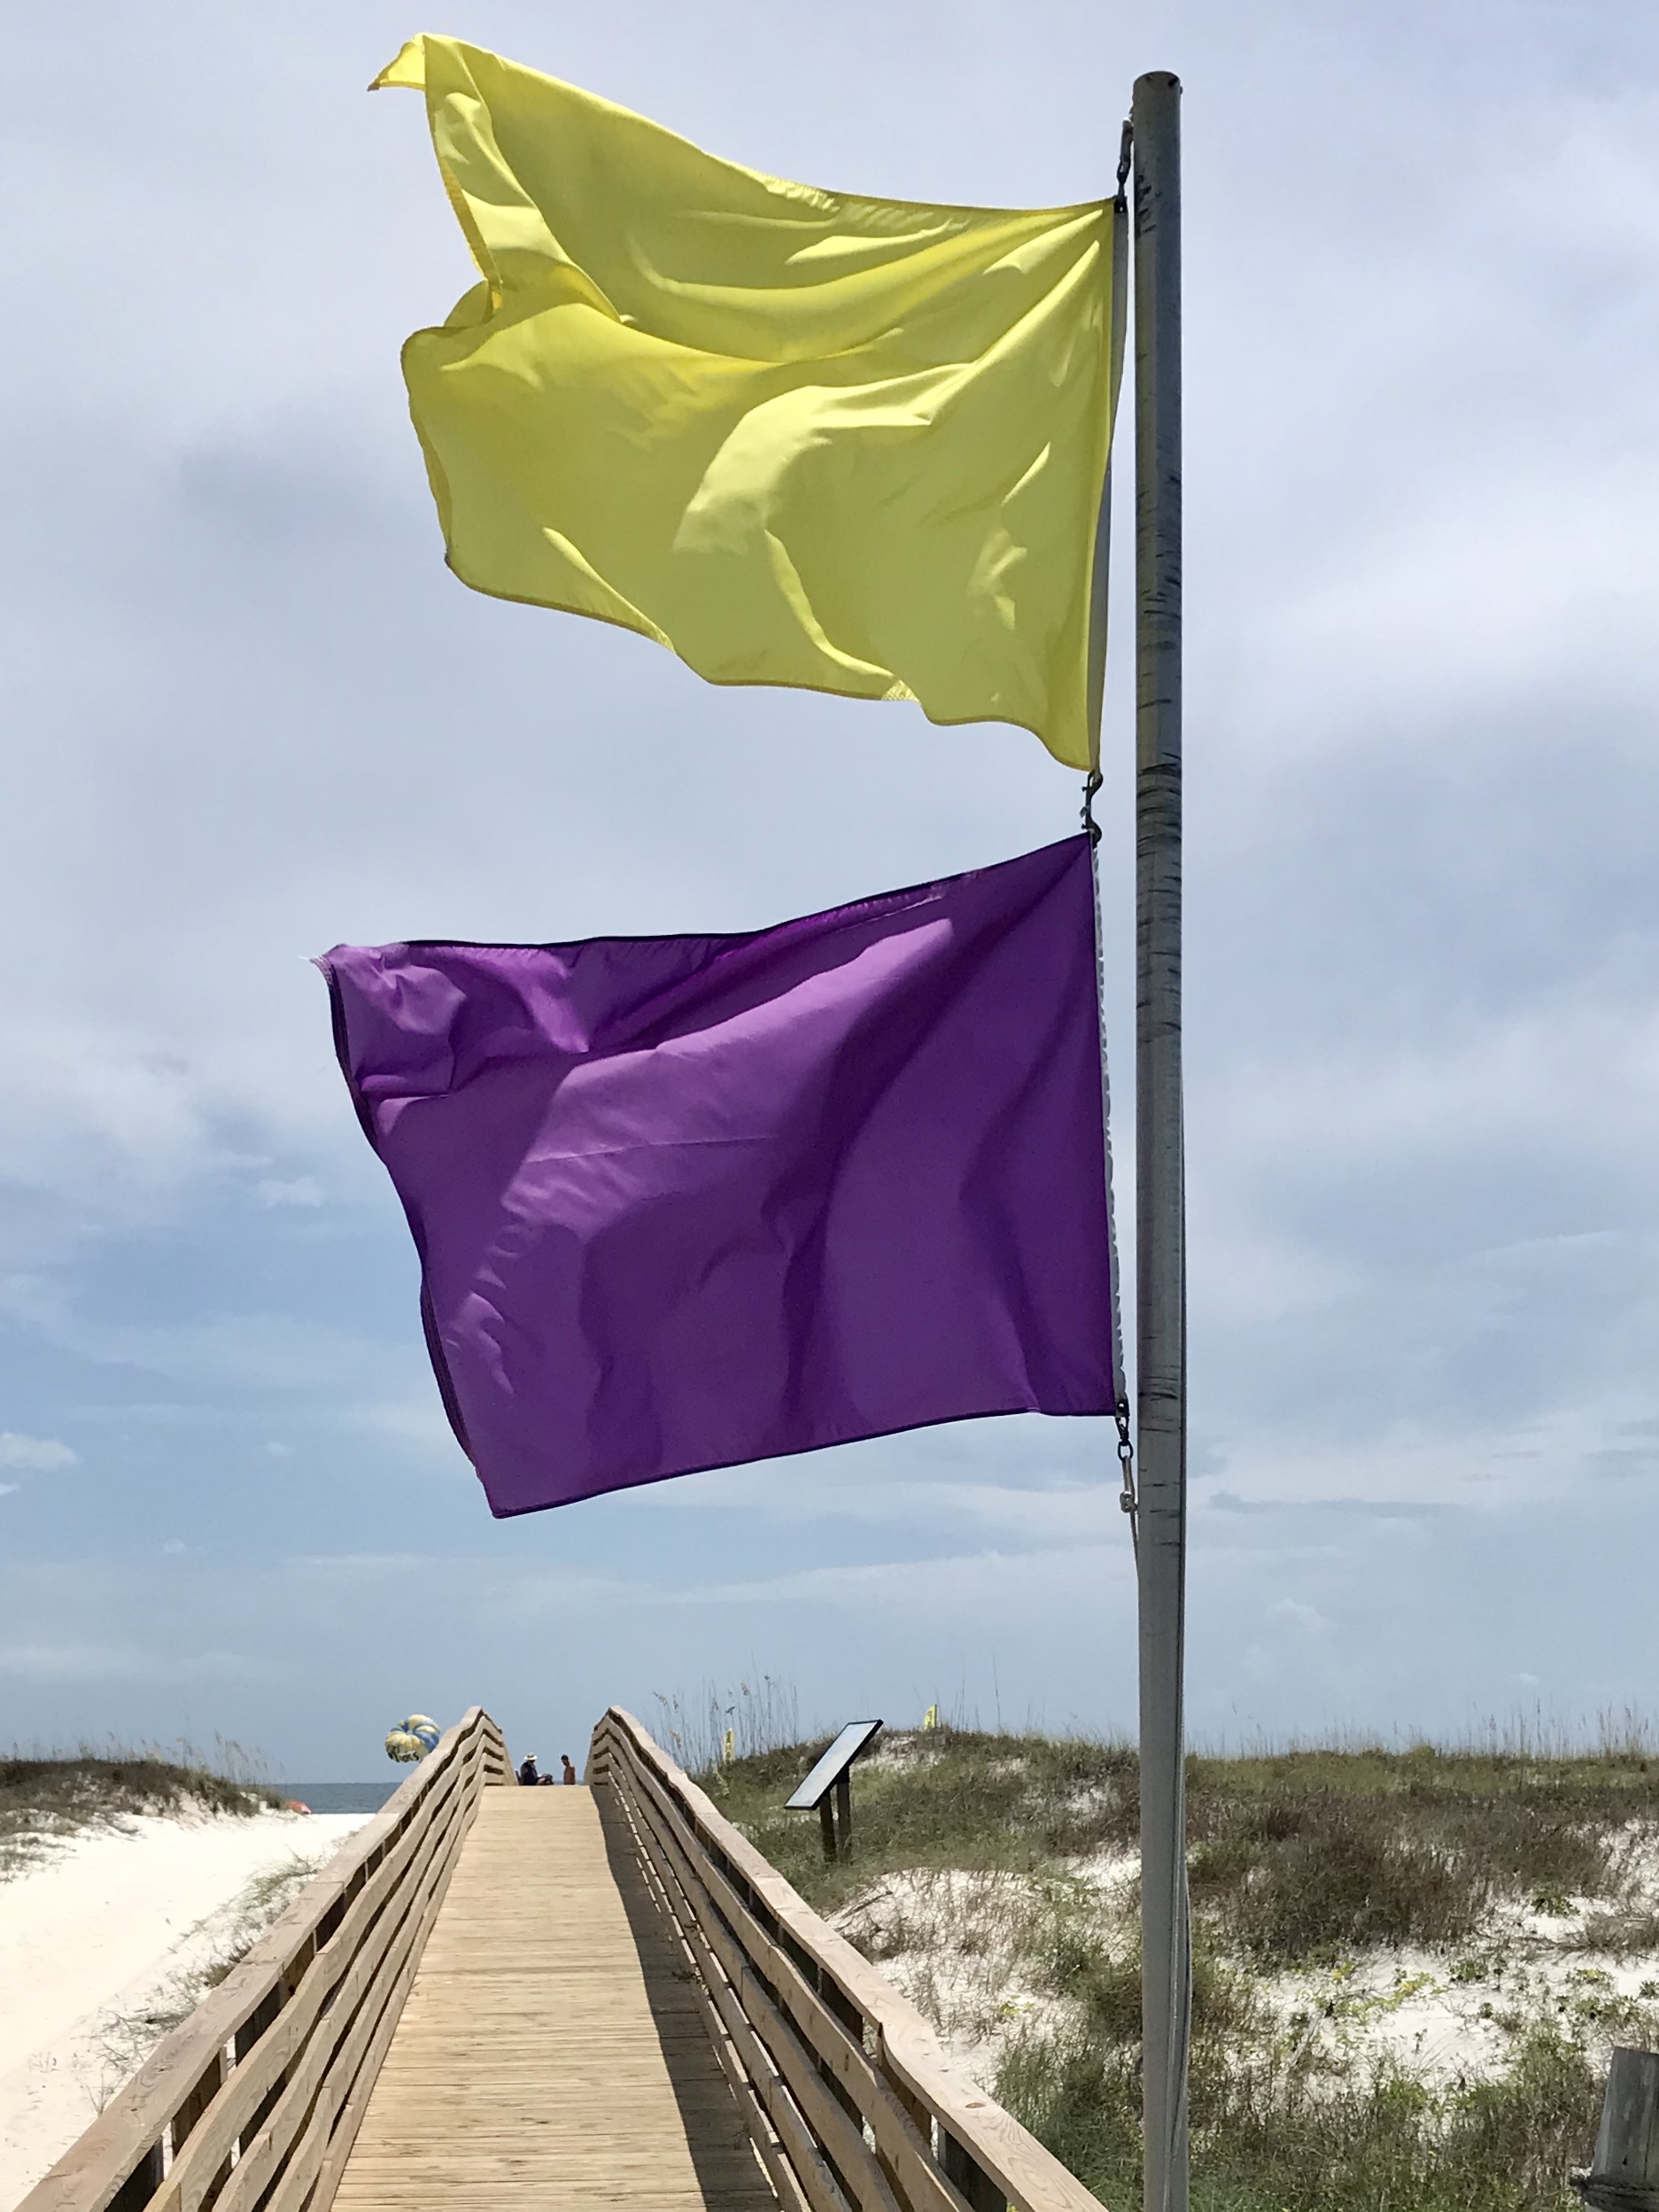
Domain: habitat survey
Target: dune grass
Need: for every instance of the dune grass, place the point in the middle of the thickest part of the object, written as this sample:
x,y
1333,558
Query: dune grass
x,y
45,1797
126,2039
1293,1855
1265,2139
1303,1863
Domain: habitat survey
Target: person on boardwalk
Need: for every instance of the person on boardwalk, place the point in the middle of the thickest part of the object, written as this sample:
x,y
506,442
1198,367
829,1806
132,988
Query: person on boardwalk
x,y
529,1772
569,1770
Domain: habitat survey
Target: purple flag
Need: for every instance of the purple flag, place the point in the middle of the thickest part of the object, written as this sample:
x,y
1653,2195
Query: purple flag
x,y
685,1202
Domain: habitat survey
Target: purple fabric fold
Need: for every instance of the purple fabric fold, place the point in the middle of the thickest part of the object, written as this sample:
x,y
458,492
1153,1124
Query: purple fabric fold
x,y
685,1201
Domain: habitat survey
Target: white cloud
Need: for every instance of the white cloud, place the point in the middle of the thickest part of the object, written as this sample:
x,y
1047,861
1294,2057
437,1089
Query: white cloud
x,y
365,1565
1083,1511
1299,1615
935,1589
41,1455
1423,1036
284,1351
304,1190
93,1662
420,1421
1403,1463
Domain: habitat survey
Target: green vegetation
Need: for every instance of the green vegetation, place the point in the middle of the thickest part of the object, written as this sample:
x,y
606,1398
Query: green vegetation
x,y
1300,1854
1266,2137
44,1799
126,2040
1340,1897
954,1798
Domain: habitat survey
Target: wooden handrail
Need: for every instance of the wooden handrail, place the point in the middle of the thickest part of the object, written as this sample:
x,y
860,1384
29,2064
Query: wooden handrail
x,y
826,2057
253,2103
255,2100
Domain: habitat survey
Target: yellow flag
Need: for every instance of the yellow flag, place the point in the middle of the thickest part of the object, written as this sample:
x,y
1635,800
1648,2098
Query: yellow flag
x,y
800,437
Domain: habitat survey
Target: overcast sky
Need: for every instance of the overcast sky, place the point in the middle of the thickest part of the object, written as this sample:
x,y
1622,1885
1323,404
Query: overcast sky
x,y
250,715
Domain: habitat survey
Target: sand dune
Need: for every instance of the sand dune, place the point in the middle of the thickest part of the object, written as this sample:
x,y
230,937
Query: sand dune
x,y
110,1929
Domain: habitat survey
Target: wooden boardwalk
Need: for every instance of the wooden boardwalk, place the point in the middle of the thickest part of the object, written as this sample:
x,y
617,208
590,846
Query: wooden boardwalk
x,y
506,1998
552,2052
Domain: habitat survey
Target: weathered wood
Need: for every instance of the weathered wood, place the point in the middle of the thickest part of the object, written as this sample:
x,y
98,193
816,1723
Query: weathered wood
x,y
813,2126
919,2131
141,2184
322,2148
267,2009
814,2179
366,1926
970,2176
351,1958
906,2053
211,2081
501,2012
552,2052
819,2037
864,1988
834,2046
1625,2175
768,2145
330,2060
811,2049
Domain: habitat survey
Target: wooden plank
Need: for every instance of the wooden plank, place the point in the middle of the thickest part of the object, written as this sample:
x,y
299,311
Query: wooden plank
x,y
369,1921
312,2172
900,2140
792,2126
768,2145
552,2051
360,1998
94,2169
211,2081
1033,2179
485,2002
739,1994
347,1960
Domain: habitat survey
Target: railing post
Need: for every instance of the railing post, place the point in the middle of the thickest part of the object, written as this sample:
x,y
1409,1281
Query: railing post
x,y
221,2084
141,2184
842,2084
916,2112
976,2185
1625,2175
208,2084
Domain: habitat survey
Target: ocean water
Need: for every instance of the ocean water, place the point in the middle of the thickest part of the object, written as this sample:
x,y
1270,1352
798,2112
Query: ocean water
x,y
342,1797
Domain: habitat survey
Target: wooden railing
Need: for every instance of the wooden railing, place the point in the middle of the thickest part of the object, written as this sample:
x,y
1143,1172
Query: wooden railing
x,y
851,2104
256,2099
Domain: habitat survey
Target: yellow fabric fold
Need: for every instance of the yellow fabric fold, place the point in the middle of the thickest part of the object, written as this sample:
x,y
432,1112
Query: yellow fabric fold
x,y
800,437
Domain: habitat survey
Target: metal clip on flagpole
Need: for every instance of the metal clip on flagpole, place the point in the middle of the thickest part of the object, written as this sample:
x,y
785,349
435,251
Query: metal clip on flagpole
x,y
1127,1502
1160,1234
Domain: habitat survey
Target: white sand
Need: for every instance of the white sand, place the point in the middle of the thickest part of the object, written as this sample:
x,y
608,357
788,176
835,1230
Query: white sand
x,y
98,1933
951,1941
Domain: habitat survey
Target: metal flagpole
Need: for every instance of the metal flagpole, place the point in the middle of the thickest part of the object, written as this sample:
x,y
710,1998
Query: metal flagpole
x,y
1161,1222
